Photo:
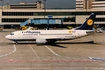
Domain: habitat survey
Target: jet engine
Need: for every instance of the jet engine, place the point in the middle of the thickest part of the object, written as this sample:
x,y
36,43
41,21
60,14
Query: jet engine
x,y
41,41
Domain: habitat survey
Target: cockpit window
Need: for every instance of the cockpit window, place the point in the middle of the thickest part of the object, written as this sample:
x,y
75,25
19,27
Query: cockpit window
x,y
11,33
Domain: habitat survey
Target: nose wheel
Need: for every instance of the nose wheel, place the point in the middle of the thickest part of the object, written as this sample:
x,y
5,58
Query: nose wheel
x,y
15,42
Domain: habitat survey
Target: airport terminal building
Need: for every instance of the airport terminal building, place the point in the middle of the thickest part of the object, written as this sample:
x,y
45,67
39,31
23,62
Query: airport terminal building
x,y
15,14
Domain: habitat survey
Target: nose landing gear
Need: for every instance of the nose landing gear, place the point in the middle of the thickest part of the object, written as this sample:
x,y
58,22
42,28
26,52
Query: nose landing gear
x,y
15,42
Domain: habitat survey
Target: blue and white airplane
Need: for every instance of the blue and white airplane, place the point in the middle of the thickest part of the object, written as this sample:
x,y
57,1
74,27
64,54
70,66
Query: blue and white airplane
x,y
51,36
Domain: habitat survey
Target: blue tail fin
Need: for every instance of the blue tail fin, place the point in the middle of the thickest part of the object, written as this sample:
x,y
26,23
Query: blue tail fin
x,y
88,24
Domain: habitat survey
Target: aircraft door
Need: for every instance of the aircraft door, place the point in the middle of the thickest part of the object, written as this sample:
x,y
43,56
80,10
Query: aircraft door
x,y
19,36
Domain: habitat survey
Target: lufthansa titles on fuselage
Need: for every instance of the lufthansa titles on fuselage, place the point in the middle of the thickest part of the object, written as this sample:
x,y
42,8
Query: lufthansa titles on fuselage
x,y
31,32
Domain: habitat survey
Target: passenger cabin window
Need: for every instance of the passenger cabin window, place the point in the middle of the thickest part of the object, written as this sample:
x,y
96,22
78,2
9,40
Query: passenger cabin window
x,y
11,33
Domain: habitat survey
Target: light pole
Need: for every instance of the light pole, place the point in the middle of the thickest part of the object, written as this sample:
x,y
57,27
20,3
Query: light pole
x,y
2,4
79,5
7,4
86,5
44,8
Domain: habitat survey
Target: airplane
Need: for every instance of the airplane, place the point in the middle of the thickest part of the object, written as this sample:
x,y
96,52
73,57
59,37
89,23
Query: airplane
x,y
51,36
95,58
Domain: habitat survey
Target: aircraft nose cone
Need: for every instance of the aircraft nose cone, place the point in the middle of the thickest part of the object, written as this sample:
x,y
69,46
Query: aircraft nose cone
x,y
7,37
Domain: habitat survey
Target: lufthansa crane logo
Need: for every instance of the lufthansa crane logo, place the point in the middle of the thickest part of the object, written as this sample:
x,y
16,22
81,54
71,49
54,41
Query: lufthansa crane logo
x,y
90,22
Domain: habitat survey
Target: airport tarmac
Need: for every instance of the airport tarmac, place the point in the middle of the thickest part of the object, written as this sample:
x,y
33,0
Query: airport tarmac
x,y
66,55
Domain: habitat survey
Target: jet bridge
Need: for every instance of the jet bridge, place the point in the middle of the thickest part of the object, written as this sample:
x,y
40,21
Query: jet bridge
x,y
42,22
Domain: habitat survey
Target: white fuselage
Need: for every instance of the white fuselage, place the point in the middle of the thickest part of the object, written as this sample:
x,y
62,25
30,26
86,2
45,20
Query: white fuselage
x,y
44,35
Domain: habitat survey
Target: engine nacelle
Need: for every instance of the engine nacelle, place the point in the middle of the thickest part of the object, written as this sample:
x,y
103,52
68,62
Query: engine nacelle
x,y
41,41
